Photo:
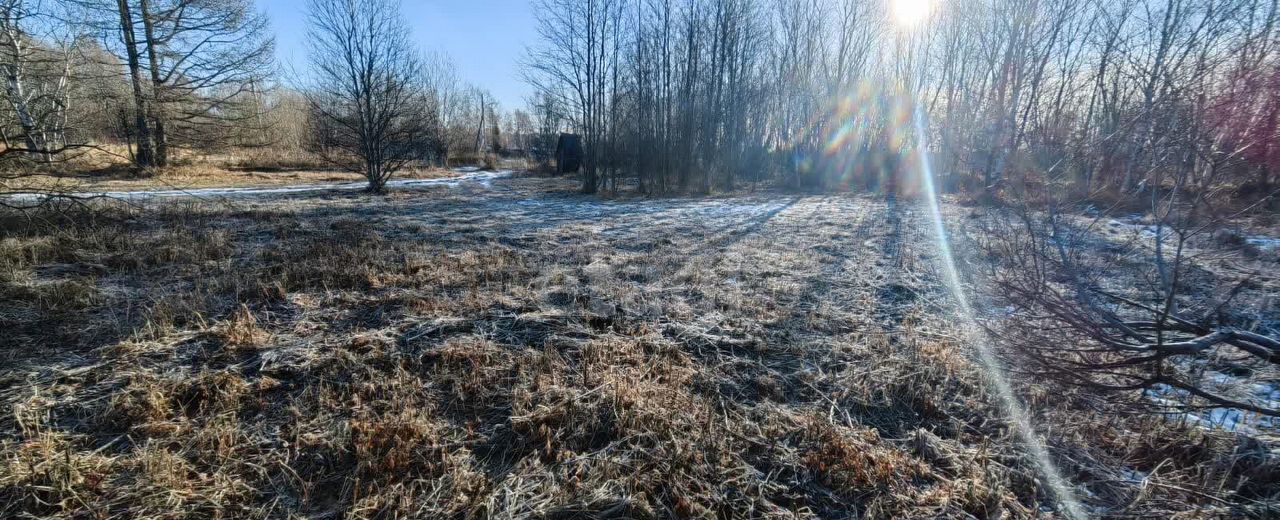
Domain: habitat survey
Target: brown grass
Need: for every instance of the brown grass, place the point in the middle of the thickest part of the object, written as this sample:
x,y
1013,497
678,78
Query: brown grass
x,y
109,170
465,353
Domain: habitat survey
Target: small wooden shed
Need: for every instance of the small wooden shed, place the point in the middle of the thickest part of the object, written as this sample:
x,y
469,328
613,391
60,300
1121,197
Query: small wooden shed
x,y
568,153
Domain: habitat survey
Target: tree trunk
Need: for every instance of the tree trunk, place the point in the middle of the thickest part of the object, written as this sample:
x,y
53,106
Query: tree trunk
x,y
480,128
145,154
16,91
18,99
156,107
373,172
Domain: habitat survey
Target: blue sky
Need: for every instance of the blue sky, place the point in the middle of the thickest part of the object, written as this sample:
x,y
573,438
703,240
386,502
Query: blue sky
x,y
486,38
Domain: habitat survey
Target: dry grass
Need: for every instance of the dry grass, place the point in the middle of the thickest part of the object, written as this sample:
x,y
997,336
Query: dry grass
x,y
521,352
109,170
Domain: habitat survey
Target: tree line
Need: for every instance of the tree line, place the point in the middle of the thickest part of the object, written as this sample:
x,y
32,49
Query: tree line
x,y
142,79
680,95
155,74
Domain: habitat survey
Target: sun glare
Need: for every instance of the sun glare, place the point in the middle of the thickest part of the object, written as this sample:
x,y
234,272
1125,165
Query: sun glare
x,y
910,12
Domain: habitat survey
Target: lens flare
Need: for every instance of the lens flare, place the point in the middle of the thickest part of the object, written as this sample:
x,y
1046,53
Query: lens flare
x,y
1013,408
910,12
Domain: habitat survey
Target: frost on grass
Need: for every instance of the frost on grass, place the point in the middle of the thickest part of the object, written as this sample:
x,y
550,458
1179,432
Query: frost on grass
x,y
513,350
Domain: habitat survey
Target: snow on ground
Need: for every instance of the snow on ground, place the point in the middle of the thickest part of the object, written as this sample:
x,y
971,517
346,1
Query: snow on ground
x,y
1134,225
1264,242
1228,419
468,174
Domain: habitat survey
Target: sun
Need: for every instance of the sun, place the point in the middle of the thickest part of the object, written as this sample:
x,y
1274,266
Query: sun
x,y
910,12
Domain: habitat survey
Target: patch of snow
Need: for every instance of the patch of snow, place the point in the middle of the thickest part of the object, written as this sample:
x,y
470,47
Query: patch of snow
x,y
1133,475
1264,242
1228,419
1008,310
1134,225
469,175
1232,420
1148,231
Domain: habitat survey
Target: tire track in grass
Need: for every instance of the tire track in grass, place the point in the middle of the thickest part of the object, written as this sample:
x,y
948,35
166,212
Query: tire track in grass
x,y
876,298
744,363
795,371
588,269
718,240
665,244
849,257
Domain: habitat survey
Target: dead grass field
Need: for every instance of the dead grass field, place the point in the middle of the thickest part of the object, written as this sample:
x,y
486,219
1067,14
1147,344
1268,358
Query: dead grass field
x,y
108,170
203,176
517,351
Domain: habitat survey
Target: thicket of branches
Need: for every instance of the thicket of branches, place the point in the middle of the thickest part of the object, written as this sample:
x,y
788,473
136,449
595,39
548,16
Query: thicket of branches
x,y
36,60
691,94
193,69
151,74
1167,312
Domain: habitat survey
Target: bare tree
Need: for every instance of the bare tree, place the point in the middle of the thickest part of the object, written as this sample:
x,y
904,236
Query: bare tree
x,y
194,68
519,128
370,111
575,64
448,97
206,60
36,62
42,119
546,113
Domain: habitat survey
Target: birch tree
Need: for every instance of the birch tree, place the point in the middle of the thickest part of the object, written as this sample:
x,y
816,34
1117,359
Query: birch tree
x,y
37,57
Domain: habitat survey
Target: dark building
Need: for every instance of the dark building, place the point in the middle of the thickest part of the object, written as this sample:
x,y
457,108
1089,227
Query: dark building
x,y
568,153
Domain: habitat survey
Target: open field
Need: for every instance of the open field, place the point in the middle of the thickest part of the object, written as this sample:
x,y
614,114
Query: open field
x,y
511,349
198,177
819,259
